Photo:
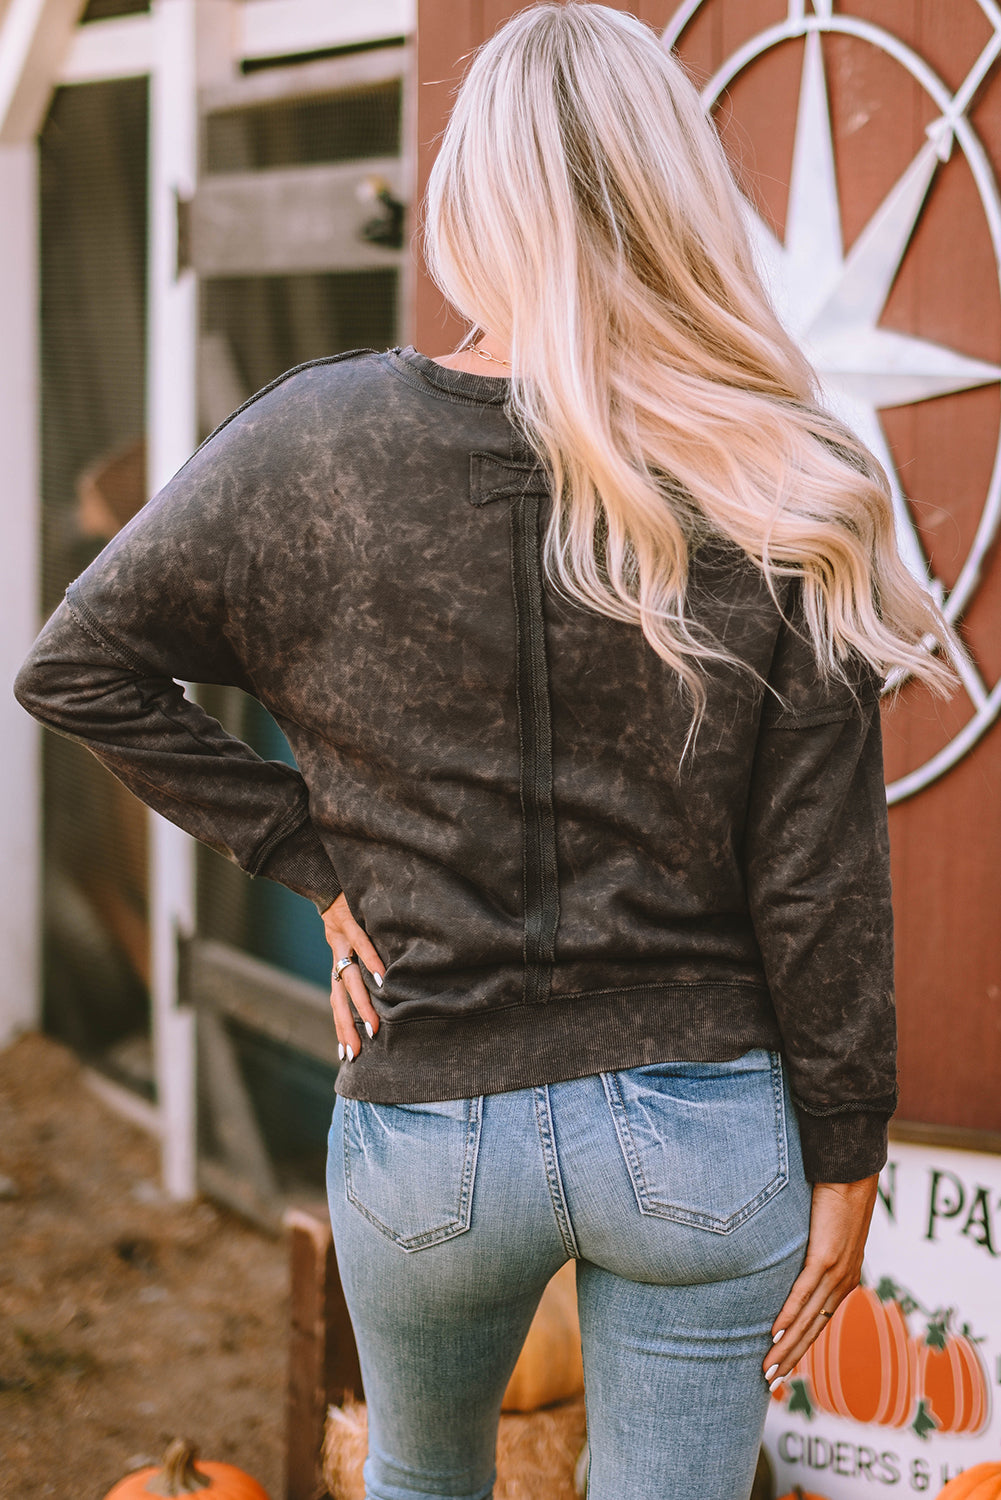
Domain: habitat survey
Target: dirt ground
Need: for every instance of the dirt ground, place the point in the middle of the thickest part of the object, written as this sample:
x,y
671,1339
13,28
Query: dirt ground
x,y
125,1319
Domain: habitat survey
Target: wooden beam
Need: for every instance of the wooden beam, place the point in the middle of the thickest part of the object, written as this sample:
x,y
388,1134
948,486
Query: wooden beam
x,y
327,75
285,28
260,996
296,219
34,39
955,1137
124,47
222,1184
221,983
124,1101
234,1123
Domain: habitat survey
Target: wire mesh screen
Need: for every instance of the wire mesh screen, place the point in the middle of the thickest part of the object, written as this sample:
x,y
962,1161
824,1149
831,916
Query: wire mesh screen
x,y
349,125
93,271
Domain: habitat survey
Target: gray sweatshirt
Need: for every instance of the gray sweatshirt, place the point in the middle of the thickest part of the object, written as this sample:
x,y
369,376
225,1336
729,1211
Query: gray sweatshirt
x,y
489,771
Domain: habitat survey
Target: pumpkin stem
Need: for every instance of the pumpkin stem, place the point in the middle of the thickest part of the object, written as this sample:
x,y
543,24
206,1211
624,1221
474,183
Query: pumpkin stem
x,y
178,1475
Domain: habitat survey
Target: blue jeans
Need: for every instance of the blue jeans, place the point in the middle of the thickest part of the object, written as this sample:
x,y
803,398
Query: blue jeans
x,y
677,1187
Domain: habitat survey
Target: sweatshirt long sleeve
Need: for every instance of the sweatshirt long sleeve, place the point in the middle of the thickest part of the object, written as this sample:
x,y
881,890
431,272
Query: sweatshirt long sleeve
x,y
819,892
153,611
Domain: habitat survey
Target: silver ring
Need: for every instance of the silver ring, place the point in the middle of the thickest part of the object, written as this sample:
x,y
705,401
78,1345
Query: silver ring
x,y
341,965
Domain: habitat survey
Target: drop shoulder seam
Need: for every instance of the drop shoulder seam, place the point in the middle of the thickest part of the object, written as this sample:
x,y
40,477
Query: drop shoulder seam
x,y
89,623
309,364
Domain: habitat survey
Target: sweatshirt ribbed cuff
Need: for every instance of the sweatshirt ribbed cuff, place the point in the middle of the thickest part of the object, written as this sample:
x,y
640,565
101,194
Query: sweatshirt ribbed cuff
x,y
843,1147
301,862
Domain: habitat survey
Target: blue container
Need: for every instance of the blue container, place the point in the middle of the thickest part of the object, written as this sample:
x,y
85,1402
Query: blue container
x,y
283,928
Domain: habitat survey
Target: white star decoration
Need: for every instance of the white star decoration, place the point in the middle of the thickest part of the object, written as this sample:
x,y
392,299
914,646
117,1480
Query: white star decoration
x,y
831,303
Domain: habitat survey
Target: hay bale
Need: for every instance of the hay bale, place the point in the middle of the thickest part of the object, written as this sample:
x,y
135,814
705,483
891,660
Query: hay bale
x,y
536,1452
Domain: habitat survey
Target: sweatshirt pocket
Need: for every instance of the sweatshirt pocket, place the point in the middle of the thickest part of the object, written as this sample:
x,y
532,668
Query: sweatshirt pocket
x,y
705,1144
410,1168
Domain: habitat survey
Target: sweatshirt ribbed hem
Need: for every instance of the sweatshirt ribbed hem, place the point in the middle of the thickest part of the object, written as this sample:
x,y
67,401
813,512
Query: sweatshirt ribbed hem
x,y
843,1147
498,1049
423,1059
301,863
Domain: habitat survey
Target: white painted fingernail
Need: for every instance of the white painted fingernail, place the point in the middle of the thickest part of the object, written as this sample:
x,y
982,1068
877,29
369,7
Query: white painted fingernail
x,y
378,979
340,1050
770,1372
776,1383
368,1028
779,1335
351,1054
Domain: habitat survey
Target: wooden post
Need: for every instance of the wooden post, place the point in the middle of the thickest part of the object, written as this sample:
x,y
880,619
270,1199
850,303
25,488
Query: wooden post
x,y
194,45
323,1359
20,817
34,36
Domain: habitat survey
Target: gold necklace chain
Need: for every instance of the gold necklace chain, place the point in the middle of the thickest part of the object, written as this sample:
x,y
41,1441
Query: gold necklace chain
x,y
484,355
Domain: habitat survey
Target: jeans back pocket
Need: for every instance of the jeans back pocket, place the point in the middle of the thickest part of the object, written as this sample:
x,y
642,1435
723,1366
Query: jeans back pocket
x,y
410,1168
704,1144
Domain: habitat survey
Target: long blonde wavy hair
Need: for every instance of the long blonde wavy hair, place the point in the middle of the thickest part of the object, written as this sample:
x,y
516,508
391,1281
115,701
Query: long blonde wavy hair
x,y
581,208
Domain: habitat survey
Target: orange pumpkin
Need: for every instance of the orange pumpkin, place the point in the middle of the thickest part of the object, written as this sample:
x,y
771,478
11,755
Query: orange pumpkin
x,y
862,1365
953,1381
982,1482
550,1366
180,1476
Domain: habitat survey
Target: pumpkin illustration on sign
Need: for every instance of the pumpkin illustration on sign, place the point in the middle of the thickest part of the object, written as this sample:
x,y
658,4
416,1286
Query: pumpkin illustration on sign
x,y
180,1475
952,1380
867,1367
862,1366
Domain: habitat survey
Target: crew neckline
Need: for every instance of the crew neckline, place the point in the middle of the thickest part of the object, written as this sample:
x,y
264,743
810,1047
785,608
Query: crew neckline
x,y
490,389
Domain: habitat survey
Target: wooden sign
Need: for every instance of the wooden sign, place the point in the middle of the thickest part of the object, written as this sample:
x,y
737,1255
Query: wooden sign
x,y
903,1389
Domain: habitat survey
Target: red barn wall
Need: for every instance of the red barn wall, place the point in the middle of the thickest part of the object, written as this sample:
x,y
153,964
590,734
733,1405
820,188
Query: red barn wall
x,y
946,839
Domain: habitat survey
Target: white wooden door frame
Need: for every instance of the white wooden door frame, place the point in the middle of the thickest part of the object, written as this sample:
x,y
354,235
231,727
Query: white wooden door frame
x,y
34,38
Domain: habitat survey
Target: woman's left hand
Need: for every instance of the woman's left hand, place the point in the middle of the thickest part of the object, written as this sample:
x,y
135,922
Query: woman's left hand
x,y
839,1224
346,937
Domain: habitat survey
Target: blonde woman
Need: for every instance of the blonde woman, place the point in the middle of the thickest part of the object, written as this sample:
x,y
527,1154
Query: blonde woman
x,y
578,635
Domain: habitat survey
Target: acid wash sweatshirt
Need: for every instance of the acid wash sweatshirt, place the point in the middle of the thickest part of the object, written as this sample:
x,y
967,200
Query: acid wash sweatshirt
x,y
488,771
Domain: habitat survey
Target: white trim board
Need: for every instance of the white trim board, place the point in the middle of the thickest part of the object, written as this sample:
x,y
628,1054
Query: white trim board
x,y
282,28
34,39
121,48
20,809
127,46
